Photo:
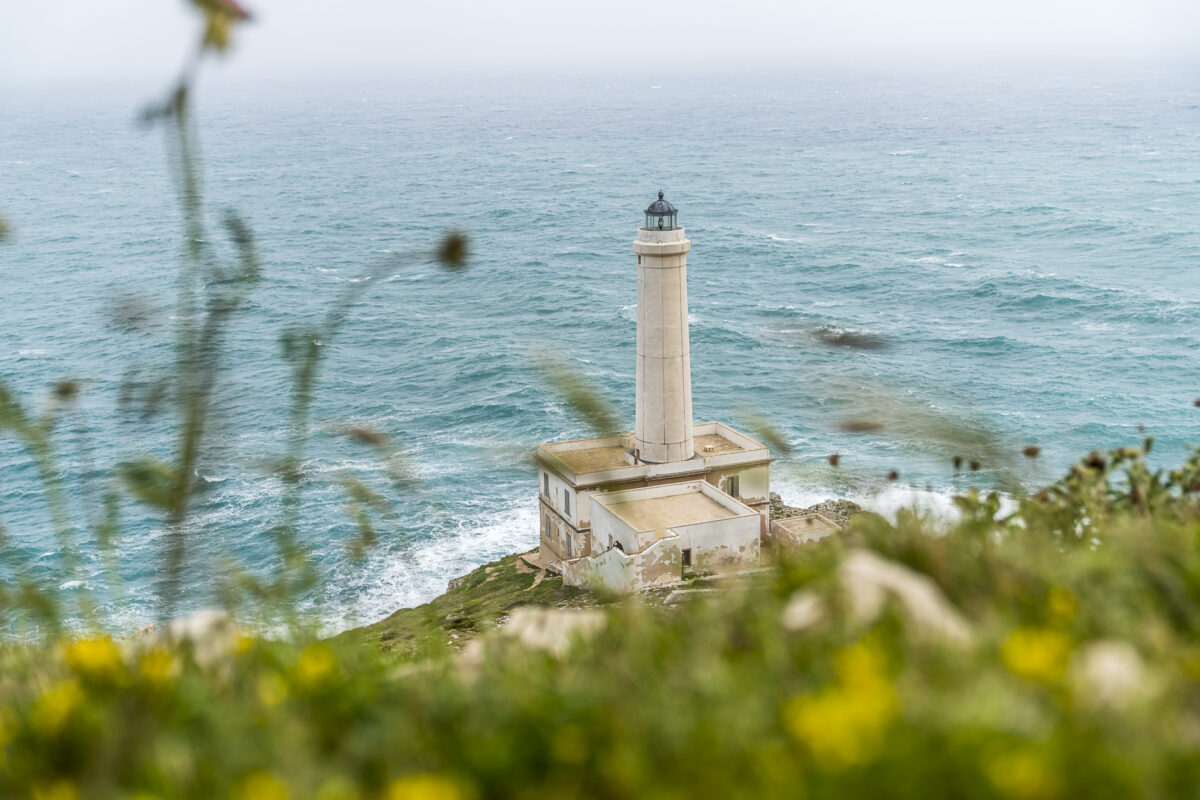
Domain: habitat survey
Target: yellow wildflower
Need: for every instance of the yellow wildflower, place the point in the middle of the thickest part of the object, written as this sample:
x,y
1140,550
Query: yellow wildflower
x,y
338,788
1061,605
96,658
315,664
59,790
260,786
7,733
220,16
55,705
1037,654
157,667
844,724
271,689
425,787
1022,774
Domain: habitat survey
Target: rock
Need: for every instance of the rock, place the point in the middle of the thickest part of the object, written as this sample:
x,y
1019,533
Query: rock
x,y
840,511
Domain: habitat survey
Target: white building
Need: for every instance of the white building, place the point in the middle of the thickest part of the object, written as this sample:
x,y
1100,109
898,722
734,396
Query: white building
x,y
672,498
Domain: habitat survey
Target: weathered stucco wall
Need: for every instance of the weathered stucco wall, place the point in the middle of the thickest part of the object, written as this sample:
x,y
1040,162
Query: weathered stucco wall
x,y
658,565
754,482
608,570
754,489
562,497
555,533
608,528
721,545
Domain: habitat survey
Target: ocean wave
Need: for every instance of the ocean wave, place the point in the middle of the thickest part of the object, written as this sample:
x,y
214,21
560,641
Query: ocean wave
x,y
415,572
887,501
1057,294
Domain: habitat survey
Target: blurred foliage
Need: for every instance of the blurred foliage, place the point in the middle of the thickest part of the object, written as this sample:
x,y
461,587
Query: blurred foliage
x,y
1049,650
1048,653
767,433
213,287
579,394
923,424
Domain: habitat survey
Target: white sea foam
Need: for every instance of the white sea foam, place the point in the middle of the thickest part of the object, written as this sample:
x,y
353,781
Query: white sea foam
x,y
419,572
887,501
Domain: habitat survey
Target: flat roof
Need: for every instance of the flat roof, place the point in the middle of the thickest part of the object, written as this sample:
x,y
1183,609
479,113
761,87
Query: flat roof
x,y
659,513
591,459
717,442
600,454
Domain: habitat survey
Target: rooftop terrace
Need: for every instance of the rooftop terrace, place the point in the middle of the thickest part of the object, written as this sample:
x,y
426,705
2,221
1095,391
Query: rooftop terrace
x,y
606,453
659,513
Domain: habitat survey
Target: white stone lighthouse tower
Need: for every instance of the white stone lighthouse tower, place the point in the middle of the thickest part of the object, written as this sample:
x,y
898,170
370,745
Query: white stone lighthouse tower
x,y
663,430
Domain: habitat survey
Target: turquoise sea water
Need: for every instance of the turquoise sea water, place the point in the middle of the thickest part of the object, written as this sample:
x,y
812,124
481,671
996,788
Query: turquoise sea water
x,y
1026,245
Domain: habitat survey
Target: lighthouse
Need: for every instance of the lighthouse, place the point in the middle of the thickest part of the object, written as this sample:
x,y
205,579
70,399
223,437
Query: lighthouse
x,y
673,499
663,419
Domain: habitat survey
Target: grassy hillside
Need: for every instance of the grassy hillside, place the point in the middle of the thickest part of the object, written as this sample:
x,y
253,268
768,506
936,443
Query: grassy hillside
x,y
1053,652
471,606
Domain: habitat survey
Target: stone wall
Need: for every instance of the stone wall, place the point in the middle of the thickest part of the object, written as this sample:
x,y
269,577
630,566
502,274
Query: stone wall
x,y
659,564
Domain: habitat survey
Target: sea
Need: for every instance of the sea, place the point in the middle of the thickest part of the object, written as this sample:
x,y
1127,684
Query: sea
x,y
899,266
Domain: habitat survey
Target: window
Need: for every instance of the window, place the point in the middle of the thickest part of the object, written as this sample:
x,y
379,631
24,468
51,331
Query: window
x,y
546,483
569,554
547,525
731,486
566,503
687,557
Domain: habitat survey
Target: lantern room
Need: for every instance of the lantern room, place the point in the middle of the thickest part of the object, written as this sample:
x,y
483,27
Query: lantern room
x,y
660,215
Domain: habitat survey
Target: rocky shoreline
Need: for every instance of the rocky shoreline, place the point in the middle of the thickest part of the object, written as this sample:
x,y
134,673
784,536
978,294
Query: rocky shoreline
x,y
839,511
484,598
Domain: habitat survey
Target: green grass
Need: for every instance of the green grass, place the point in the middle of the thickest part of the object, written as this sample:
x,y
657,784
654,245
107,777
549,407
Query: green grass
x,y
475,604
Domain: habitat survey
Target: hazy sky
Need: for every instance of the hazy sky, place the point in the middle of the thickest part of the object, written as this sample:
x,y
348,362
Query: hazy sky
x,y
68,40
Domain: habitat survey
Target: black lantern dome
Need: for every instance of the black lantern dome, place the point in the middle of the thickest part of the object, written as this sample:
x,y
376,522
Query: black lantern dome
x,y
660,215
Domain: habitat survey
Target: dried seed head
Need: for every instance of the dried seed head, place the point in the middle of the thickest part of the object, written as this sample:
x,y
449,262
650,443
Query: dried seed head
x,y
1032,451
66,391
975,465
366,436
1094,460
958,461
452,252
834,458
893,476
859,425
